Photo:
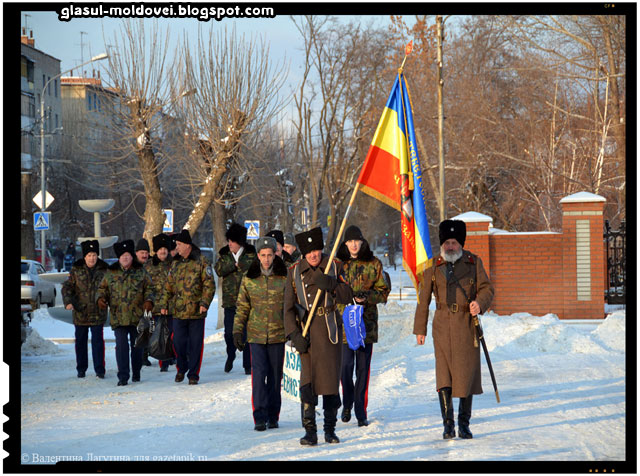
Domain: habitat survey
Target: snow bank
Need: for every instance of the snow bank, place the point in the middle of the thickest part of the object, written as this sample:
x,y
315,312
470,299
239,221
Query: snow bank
x,y
36,345
612,331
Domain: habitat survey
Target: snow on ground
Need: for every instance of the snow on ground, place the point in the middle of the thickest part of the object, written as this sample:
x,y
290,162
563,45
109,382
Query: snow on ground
x,y
562,390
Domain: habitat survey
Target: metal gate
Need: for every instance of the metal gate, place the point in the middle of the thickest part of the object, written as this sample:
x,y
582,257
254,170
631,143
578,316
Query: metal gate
x,y
616,244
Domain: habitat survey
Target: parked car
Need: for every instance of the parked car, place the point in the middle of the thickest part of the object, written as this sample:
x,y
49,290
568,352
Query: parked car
x,y
34,290
49,262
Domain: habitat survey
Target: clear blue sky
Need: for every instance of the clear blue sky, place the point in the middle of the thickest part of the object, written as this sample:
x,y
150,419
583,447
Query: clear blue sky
x,y
63,39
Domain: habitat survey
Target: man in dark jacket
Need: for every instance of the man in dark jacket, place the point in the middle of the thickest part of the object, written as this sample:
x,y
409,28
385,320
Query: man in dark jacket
x,y
321,349
291,247
191,286
279,237
364,273
233,263
259,313
126,288
79,294
455,277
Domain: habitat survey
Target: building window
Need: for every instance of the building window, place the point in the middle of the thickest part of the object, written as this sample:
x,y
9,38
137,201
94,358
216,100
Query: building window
x,y
55,88
56,121
49,85
89,102
44,81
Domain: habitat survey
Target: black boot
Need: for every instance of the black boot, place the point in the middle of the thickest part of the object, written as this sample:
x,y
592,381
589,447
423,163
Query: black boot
x,y
464,415
446,408
310,437
145,357
330,419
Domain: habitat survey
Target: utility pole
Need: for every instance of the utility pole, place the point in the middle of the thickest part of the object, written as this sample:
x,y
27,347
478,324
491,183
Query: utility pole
x,y
440,35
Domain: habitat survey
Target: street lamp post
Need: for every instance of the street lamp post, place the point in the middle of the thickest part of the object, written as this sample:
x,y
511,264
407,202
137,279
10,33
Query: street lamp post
x,y
43,186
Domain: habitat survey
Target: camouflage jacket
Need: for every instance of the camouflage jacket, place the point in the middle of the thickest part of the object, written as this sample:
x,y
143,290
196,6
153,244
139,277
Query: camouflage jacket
x,y
364,273
260,305
190,284
81,289
231,274
159,270
125,291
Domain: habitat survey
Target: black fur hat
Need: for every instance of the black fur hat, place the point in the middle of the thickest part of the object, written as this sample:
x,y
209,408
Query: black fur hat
x,y
277,235
125,246
237,233
453,229
353,233
90,246
184,237
161,241
143,245
310,240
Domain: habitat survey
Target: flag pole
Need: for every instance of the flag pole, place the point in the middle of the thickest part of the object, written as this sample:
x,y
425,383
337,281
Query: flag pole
x,y
407,51
331,256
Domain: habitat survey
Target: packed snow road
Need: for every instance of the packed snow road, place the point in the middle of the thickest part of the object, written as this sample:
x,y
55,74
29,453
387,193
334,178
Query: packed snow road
x,y
562,390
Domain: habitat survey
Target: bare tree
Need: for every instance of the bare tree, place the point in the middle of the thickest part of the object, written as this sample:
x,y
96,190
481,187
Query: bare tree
x,y
237,93
139,74
340,89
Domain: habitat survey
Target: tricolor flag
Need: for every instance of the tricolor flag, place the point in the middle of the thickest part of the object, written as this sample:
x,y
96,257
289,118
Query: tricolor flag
x,y
391,173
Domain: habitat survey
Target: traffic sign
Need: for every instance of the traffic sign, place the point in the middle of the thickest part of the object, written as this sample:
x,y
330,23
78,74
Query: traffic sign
x,y
168,221
41,221
253,229
38,199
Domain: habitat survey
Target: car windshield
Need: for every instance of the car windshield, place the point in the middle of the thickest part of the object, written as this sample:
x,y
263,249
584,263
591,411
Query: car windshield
x,y
24,268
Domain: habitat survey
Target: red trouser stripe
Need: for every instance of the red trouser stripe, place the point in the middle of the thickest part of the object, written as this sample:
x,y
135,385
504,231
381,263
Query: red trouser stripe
x,y
175,353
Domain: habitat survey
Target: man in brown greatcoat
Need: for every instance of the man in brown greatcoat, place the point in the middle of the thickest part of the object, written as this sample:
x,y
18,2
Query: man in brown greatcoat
x,y
321,349
462,289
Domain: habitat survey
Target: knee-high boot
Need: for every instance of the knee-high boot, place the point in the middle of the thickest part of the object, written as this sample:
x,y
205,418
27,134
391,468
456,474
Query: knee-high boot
x,y
310,437
330,419
464,415
446,408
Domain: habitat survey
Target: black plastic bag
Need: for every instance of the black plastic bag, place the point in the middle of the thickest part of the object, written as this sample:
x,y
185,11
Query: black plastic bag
x,y
160,345
144,331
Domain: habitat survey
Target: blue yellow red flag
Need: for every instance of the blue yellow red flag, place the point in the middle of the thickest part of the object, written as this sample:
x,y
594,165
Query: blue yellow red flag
x,y
392,174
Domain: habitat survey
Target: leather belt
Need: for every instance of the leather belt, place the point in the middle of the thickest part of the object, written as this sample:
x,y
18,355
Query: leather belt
x,y
321,311
453,307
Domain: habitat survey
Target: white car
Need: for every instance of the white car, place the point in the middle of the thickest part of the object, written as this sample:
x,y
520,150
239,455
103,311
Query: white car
x,y
35,290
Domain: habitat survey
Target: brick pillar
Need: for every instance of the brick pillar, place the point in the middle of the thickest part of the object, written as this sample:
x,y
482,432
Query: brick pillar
x,y
478,236
583,256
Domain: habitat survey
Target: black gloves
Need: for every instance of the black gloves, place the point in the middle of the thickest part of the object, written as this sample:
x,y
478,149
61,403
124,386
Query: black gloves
x,y
324,281
238,341
300,343
362,295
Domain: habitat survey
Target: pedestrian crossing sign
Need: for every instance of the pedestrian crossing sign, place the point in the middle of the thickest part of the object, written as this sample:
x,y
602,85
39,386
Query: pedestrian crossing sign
x,y
41,221
167,226
253,229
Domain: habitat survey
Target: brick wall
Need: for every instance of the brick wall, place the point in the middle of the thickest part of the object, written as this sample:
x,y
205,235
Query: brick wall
x,y
545,272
